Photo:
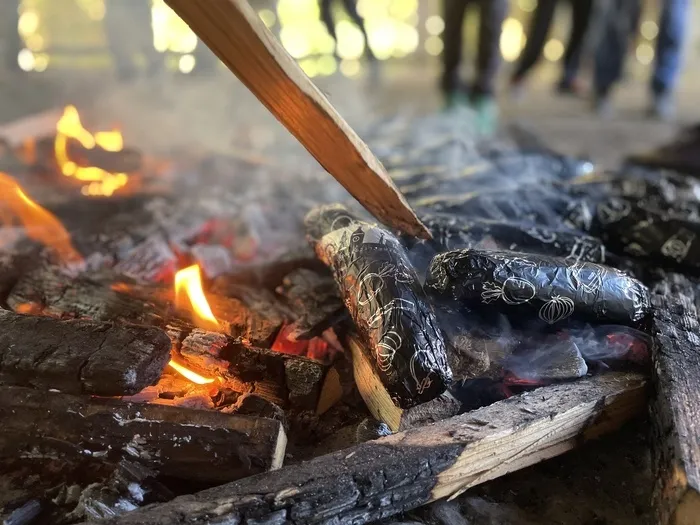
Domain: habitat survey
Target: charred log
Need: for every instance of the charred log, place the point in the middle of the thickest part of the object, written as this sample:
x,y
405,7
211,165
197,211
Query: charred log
x,y
197,445
382,478
280,378
80,356
676,403
386,301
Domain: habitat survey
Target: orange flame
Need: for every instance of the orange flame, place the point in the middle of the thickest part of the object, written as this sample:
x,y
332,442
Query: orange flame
x,y
189,374
189,292
99,182
39,224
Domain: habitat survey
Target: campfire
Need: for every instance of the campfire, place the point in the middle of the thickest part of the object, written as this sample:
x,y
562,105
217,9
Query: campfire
x,y
154,346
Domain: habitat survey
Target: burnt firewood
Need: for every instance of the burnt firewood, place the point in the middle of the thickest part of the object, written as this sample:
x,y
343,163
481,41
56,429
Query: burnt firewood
x,y
280,378
315,300
381,478
127,160
258,327
80,356
675,406
530,286
386,301
269,274
453,233
196,445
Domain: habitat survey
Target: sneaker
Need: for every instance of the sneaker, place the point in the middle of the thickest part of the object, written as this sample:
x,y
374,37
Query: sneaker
x,y
570,88
602,105
517,89
486,110
454,99
662,107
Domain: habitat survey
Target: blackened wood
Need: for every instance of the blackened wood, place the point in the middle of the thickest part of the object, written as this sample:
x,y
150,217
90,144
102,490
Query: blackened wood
x,y
280,378
676,403
196,445
124,161
80,356
382,478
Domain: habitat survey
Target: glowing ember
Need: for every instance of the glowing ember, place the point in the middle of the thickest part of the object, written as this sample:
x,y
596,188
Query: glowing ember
x,y
189,374
98,181
189,292
39,224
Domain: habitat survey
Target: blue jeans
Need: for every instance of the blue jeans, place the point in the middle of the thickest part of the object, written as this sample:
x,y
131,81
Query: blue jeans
x,y
617,33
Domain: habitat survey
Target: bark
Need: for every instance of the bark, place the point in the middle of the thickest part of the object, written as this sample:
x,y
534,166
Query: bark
x,y
194,445
80,356
382,478
676,404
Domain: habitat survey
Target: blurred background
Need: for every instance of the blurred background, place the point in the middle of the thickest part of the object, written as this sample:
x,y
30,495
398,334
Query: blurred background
x,y
61,51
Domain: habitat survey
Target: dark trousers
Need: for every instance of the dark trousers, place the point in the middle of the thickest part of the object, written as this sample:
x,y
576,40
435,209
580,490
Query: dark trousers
x,y
618,31
538,31
129,33
10,41
351,9
492,13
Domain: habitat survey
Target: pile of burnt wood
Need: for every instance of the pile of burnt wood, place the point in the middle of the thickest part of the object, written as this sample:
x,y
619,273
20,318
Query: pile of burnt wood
x,y
540,272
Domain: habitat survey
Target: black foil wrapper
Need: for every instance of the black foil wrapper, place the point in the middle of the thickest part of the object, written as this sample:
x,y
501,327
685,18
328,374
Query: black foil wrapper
x,y
386,301
528,286
665,238
453,233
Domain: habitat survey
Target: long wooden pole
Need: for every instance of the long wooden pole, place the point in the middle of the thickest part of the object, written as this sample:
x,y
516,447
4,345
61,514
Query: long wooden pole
x,y
234,32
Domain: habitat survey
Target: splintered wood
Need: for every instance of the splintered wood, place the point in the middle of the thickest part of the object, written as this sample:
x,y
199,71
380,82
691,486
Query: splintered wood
x,y
676,402
382,478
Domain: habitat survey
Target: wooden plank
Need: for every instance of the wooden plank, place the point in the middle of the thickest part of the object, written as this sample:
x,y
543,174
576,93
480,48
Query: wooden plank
x,y
194,445
80,356
235,33
381,478
676,403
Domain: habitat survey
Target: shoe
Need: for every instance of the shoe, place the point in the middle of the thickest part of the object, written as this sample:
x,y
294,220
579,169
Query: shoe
x,y
662,107
517,89
486,110
454,99
570,88
602,105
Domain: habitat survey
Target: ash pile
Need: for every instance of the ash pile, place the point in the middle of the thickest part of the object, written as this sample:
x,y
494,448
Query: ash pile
x,y
226,318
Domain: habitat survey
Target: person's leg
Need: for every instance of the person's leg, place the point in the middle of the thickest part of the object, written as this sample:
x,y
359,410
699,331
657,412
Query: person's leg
x,y
491,15
669,54
581,11
10,41
536,37
327,17
453,14
612,49
351,10
134,17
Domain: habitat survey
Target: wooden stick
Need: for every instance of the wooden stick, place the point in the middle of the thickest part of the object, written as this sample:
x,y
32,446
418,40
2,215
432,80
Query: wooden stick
x,y
194,445
33,127
378,479
80,356
676,403
379,402
234,32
